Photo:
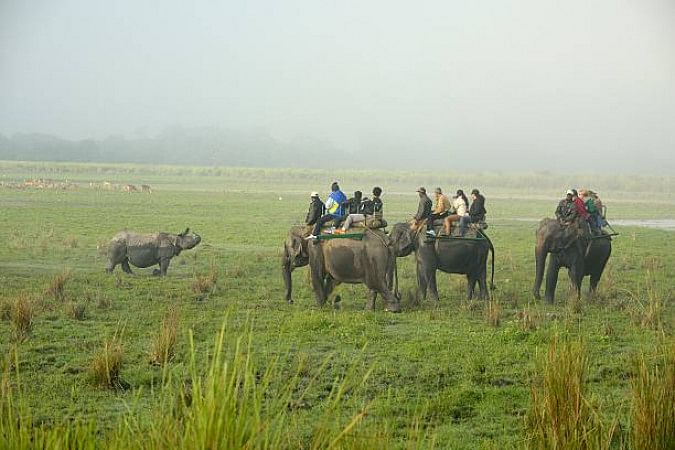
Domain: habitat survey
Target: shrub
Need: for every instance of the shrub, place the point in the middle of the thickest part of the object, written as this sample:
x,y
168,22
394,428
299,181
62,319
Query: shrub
x,y
653,395
164,344
204,284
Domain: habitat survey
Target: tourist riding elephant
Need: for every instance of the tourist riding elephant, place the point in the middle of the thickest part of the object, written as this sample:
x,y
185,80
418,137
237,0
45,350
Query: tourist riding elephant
x,y
371,261
145,250
570,246
465,256
294,255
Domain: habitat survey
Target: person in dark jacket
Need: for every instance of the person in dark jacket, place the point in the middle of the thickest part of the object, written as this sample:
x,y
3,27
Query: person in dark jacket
x,y
477,211
566,211
351,206
423,209
369,208
316,209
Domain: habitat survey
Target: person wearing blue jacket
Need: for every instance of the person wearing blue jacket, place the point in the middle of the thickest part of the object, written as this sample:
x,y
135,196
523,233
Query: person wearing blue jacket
x,y
334,209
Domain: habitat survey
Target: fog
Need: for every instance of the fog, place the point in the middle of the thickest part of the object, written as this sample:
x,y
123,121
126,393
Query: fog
x,y
584,86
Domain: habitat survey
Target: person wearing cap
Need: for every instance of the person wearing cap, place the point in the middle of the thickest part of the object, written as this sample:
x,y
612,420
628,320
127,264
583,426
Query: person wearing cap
x,y
460,204
334,209
566,211
441,210
316,209
423,209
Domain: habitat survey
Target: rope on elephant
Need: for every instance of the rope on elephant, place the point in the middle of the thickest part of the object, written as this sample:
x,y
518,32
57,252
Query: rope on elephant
x,y
381,238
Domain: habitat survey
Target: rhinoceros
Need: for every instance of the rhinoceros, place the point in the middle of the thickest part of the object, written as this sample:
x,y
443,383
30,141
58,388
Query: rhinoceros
x,y
145,250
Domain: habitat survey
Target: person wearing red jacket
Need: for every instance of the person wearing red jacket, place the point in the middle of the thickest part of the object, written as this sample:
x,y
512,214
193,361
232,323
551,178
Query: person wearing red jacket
x,y
580,206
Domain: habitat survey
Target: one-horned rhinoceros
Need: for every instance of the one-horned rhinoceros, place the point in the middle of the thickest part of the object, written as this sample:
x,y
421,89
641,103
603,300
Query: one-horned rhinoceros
x,y
145,250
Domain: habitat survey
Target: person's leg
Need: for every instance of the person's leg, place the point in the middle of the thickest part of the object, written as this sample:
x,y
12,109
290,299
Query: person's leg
x,y
463,222
319,223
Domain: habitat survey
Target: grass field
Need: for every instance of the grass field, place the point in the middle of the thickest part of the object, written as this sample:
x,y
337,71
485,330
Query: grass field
x,y
459,375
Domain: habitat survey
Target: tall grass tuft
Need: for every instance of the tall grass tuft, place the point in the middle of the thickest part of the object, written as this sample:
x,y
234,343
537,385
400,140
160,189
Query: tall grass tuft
x,y
493,313
57,286
560,416
205,284
164,345
653,405
106,365
22,317
76,310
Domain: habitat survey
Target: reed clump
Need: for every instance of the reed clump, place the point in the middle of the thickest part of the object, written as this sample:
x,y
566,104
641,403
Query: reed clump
x,y
22,313
560,415
107,363
164,344
57,286
653,400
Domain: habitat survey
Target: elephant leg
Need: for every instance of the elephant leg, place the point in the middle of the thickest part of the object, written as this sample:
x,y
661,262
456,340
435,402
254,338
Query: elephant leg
x,y
286,270
318,286
551,280
576,276
432,286
482,284
393,305
470,286
372,296
421,284
595,279
125,266
111,266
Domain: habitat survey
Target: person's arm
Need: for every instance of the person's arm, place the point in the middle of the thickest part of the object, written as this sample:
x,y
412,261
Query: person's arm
x,y
420,210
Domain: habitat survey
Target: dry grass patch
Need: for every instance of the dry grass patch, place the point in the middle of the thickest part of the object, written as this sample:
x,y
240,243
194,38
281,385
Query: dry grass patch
x,y
529,319
164,345
70,242
206,284
22,317
5,309
653,394
57,286
493,313
106,365
76,310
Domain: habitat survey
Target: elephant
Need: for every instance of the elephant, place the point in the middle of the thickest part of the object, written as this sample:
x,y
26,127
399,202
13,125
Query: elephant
x,y
294,255
573,247
464,256
371,261
145,250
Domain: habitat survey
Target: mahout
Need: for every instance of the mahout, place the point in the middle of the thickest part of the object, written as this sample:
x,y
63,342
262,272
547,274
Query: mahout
x,y
145,250
451,255
571,246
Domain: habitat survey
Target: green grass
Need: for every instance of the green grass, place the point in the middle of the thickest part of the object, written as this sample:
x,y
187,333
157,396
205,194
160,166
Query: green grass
x,y
447,375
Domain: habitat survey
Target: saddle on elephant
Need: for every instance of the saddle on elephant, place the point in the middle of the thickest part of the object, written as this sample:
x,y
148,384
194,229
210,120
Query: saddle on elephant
x,y
356,230
472,230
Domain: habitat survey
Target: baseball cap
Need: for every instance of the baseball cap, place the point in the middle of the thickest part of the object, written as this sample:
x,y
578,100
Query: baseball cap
x,y
569,192
314,194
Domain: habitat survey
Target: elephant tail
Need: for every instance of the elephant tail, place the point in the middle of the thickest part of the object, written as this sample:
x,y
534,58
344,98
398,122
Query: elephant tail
x,y
492,250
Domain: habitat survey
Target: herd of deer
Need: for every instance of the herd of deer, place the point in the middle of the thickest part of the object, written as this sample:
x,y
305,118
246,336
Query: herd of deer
x,y
128,188
44,183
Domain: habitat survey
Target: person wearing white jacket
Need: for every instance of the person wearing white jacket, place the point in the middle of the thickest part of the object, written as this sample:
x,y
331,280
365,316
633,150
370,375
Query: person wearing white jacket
x,y
460,204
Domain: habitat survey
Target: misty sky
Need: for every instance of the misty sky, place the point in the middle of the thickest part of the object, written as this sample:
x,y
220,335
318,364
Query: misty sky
x,y
534,78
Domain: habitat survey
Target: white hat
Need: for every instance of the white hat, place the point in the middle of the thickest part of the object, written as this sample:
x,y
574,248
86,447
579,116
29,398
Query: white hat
x,y
570,192
314,194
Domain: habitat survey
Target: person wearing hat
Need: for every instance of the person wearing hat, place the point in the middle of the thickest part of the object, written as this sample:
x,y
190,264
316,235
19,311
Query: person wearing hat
x,y
441,210
423,209
566,211
316,209
594,219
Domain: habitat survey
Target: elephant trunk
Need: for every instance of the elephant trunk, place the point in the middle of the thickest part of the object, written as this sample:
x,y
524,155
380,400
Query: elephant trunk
x,y
540,254
286,268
